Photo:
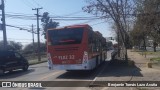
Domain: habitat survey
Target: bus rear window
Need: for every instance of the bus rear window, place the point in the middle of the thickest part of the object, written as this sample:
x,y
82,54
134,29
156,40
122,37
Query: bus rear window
x,y
66,36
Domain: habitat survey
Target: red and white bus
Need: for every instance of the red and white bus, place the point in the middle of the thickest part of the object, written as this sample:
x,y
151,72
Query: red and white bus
x,y
75,47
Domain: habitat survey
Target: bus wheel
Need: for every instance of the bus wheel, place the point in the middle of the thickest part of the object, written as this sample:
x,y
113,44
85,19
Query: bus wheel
x,y
96,61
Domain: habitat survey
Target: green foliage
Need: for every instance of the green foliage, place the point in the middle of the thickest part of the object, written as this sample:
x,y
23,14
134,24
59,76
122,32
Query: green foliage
x,y
16,46
28,49
116,10
47,22
136,36
33,62
149,17
155,59
147,22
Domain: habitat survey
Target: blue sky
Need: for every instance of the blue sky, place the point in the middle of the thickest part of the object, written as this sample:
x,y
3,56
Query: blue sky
x,y
71,8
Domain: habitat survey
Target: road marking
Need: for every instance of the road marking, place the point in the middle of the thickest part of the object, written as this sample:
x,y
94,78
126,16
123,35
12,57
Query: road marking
x,y
92,83
95,79
105,88
50,75
99,73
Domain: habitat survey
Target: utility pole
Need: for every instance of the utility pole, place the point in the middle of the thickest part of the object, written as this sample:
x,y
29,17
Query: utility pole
x,y
3,25
38,50
33,38
118,36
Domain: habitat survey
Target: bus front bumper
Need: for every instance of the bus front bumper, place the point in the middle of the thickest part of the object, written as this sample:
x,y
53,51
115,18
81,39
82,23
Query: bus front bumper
x,y
71,67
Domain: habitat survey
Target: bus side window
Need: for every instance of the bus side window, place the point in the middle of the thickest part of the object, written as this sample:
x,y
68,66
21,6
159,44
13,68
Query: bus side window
x,y
95,45
91,41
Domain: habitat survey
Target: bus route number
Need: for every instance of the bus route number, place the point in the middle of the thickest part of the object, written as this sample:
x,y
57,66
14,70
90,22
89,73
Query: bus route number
x,y
66,57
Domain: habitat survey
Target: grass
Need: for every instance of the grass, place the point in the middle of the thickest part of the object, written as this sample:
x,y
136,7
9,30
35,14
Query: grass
x,y
33,59
155,59
146,52
149,53
142,88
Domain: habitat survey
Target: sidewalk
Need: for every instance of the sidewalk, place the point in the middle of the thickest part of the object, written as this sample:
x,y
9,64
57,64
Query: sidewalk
x,y
139,60
148,74
121,72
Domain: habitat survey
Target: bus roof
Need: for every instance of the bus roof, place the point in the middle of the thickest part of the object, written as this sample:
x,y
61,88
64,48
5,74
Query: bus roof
x,y
72,26
98,33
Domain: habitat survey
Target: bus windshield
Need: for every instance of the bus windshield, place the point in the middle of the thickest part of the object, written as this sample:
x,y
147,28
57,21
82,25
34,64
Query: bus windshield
x,y
66,36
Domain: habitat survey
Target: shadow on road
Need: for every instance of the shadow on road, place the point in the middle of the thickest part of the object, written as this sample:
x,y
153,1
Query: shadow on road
x,y
107,69
119,68
15,74
80,74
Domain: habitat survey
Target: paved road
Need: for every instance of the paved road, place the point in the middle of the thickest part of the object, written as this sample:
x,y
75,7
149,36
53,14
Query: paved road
x,y
106,72
40,72
109,55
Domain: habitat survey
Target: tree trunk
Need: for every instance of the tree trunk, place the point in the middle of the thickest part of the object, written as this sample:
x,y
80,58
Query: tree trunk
x,y
144,43
154,46
124,43
126,55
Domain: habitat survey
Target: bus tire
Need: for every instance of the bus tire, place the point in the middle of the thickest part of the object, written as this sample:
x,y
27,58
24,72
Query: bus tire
x,y
105,57
96,60
101,58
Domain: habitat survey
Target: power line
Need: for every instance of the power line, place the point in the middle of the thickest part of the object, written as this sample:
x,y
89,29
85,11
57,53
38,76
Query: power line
x,y
26,4
16,39
75,19
85,22
20,39
98,23
30,3
40,5
20,28
58,19
36,3
73,13
55,14
29,17
19,13
22,25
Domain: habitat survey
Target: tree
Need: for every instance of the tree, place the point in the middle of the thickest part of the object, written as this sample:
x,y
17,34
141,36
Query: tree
x,y
149,20
47,22
16,46
29,48
118,10
127,37
136,35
